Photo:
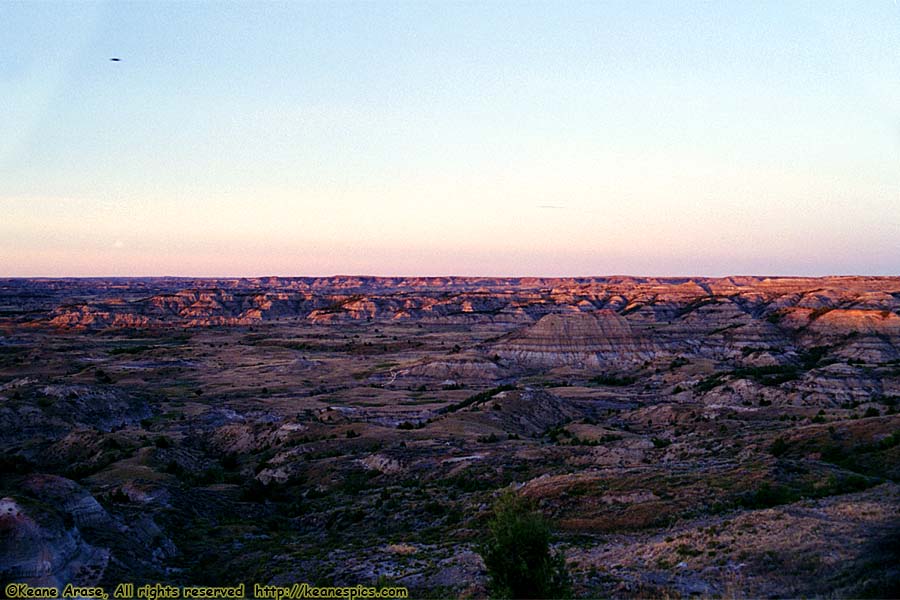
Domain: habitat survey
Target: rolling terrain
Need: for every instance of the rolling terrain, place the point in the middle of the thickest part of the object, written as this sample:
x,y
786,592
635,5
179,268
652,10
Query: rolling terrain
x,y
717,437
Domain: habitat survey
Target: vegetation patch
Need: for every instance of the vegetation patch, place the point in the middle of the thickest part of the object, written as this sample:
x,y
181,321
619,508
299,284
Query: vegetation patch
x,y
517,554
478,398
613,380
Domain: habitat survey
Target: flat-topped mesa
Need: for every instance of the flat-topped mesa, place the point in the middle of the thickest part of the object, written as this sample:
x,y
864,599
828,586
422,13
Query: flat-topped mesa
x,y
577,338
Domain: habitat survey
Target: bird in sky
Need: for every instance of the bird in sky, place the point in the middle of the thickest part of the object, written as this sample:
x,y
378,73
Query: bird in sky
x,y
114,59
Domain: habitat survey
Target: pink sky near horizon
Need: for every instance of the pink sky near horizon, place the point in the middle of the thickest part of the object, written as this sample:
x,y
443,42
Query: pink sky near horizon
x,y
491,139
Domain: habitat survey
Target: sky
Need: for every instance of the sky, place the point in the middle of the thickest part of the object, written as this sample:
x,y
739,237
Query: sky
x,y
436,138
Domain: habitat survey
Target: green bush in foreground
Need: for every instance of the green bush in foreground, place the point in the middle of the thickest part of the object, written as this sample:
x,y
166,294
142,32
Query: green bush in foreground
x,y
517,553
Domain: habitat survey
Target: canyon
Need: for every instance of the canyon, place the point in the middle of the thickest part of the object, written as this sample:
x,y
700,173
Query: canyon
x,y
732,436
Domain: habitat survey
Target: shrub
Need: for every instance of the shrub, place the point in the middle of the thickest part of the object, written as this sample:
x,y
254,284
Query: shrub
x,y
479,398
709,383
613,380
517,553
778,447
212,474
356,481
229,461
14,463
767,496
770,375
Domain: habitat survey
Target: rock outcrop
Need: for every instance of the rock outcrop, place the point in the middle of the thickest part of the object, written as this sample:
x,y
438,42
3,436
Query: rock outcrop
x,y
102,304
38,547
586,339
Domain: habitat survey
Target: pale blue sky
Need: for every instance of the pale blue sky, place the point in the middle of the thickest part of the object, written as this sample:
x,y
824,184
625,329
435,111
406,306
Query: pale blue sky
x,y
490,138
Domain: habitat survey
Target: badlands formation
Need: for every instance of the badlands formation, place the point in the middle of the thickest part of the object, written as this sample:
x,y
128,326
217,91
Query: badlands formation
x,y
715,437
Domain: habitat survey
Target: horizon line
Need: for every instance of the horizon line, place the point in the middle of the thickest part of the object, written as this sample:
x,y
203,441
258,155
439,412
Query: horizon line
x,y
451,276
